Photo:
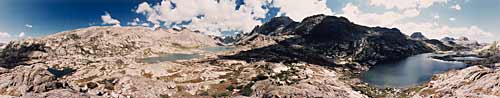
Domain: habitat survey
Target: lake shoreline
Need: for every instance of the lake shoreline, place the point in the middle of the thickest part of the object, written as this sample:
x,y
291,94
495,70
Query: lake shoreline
x,y
355,80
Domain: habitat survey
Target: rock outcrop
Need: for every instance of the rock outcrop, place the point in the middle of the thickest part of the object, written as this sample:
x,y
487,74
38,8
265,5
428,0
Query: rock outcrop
x,y
472,82
281,58
432,43
437,45
490,50
107,62
418,36
462,43
100,42
479,81
490,53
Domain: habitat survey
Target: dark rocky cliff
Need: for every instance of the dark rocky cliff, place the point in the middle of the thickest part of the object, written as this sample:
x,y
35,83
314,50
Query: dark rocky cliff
x,y
330,40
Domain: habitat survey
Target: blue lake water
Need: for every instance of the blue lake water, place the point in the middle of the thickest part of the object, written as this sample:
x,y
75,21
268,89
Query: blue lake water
x,y
217,49
181,56
467,58
408,72
170,57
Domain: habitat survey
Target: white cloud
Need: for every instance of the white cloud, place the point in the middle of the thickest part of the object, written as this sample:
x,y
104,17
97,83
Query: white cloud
x,y
145,24
354,14
411,12
452,19
395,20
437,31
135,22
456,7
107,19
132,23
405,4
4,35
214,16
138,22
22,34
436,17
28,25
299,9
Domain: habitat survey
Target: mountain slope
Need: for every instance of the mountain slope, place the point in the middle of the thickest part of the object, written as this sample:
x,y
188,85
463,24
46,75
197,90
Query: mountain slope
x,y
109,62
328,40
99,42
474,82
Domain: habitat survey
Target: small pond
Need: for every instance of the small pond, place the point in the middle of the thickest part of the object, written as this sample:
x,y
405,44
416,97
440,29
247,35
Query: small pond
x,y
408,72
217,49
170,57
181,56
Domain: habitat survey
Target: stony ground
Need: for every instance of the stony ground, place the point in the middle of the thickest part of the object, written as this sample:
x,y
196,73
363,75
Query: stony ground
x,y
103,62
472,82
480,81
107,62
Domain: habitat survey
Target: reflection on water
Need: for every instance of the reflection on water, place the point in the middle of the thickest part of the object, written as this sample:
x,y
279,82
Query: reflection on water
x,y
467,58
408,72
170,57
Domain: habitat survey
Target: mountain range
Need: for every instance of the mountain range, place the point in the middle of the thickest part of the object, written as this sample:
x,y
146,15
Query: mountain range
x,y
316,57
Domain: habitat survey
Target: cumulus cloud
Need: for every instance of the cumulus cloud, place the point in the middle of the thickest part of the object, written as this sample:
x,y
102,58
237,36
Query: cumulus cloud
x,y
299,9
395,19
108,20
353,13
456,7
22,34
4,35
405,4
452,19
138,22
28,25
215,16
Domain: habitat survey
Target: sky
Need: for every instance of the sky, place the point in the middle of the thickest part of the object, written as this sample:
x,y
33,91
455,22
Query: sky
x,y
476,19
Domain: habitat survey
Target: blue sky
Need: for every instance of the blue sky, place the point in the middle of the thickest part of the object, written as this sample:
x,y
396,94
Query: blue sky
x,y
36,18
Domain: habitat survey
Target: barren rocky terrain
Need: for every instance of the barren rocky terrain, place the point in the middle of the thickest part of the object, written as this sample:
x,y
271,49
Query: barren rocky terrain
x,y
317,57
105,62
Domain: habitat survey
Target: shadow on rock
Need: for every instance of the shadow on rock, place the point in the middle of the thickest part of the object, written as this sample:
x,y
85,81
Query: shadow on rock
x,y
329,41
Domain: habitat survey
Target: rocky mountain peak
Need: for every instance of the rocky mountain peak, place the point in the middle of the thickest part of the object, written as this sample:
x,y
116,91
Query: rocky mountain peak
x,y
444,39
462,43
463,39
312,22
276,24
320,17
418,36
334,40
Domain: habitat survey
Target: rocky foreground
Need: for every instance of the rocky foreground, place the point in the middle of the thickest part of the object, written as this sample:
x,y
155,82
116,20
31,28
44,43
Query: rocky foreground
x,y
480,81
105,62
282,58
